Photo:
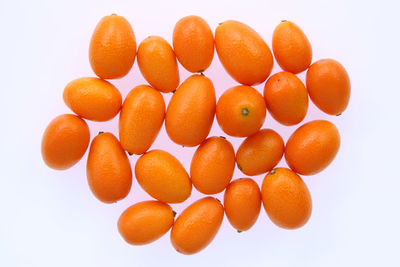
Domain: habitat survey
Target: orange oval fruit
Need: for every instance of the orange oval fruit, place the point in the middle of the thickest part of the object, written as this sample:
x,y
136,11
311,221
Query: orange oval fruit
x,y
312,147
242,202
329,86
141,118
191,111
197,226
243,52
286,198
286,98
65,141
157,63
145,222
93,99
241,111
212,165
260,152
193,43
108,169
291,47
112,49
163,177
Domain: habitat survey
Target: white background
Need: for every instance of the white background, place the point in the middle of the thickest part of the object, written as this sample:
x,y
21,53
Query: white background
x,y
50,218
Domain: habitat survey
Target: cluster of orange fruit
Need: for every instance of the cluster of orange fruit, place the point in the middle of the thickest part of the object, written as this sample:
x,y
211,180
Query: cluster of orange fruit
x,y
240,112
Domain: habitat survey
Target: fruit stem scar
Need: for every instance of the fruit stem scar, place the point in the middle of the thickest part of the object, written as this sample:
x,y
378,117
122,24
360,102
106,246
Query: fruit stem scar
x,y
218,200
173,91
201,73
223,137
339,114
130,154
174,213
239,231
100,133
113,14
240,168
245,111
220,23
284,20
273,172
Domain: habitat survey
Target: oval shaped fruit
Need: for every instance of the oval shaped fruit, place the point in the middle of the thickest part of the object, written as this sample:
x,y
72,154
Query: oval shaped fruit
x,y
191,111
197,226
93,99
193,43
157,63
329,86
136,131
241,111
112,49
242,202
286,198
286,98
260,152
65,141
243,52
212,165
312,147
291,47
163,177
145,222
108,169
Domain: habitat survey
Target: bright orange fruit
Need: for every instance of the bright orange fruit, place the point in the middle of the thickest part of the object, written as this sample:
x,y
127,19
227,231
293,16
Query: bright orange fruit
x,y
112,48
197,226
312,147
65,141
145,222
193,43
286,198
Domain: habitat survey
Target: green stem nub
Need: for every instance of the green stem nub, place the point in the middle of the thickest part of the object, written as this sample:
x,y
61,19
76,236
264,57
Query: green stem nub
x,y
273,171
240,168
284,20
245,111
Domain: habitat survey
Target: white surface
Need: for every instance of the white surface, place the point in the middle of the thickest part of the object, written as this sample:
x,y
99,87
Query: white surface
x,y
50,218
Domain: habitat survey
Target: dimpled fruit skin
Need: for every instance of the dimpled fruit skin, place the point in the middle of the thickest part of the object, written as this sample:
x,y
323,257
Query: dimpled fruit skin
x,y
163,177
260,152
312,147
242,203
157,63
329,86
212,165
93,99
145,222
108,169
230,108
65,141
191,111
243,52
136,131
112,49
286,98
193,43
286,198
291,47
197,226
